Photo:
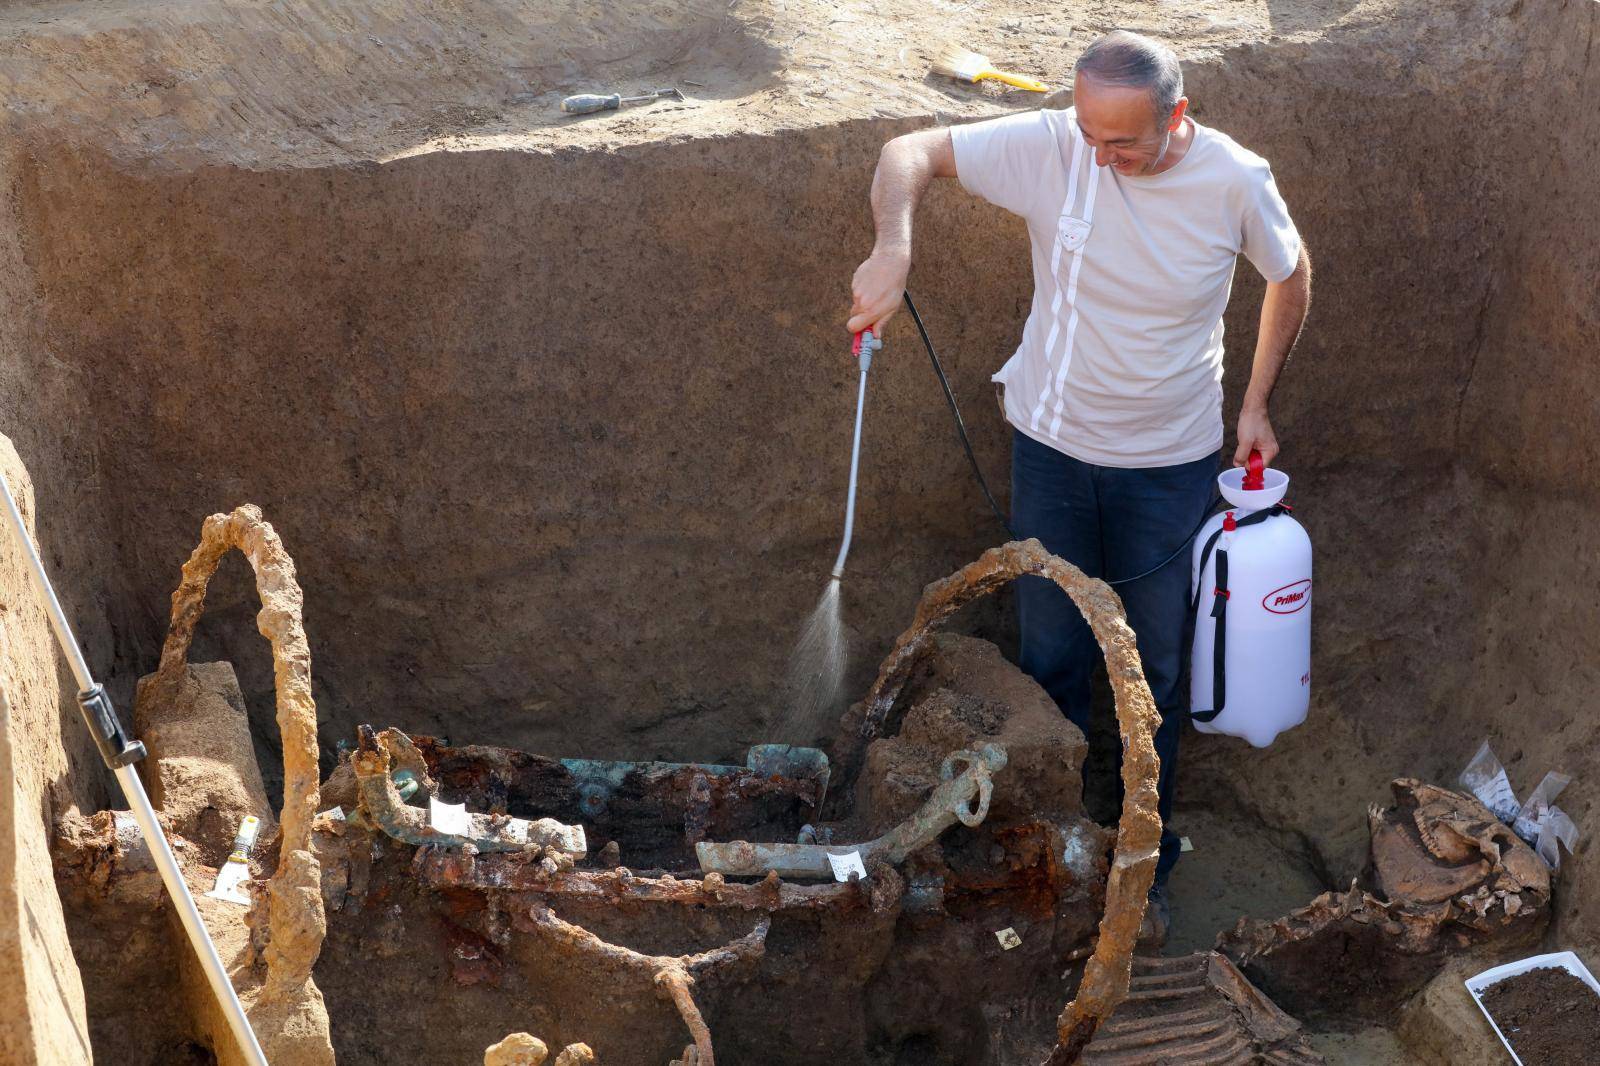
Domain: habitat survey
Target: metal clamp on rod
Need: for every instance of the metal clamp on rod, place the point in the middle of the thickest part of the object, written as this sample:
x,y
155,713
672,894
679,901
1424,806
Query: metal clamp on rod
x,y
116,748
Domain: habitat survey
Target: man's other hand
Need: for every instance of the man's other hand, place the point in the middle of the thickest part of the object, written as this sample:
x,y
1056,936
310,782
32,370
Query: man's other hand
x,y
1255,432
876,290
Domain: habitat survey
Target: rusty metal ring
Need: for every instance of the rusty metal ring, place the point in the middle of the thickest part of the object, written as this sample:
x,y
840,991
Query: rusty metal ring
x,y
1133,862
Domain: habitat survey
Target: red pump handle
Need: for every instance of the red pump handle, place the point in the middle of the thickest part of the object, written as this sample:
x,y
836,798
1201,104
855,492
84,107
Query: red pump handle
x,y
1255,472
855,347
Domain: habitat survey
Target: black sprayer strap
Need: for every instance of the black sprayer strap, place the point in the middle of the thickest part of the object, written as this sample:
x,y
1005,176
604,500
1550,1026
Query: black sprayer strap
x,y
1219,611
1219,645
1205,554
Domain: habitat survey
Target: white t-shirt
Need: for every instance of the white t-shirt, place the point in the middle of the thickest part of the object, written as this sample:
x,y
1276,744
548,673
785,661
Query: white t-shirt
x,y
1121,359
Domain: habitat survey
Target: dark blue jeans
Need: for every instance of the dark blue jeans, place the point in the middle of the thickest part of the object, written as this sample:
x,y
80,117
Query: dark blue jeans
x,y
1111,523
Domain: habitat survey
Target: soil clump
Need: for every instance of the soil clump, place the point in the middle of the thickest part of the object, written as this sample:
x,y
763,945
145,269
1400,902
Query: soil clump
x,y
1550,1016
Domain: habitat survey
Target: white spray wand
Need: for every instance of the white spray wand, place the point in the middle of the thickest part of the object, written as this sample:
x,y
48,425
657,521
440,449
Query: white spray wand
x,y
120,751
865,344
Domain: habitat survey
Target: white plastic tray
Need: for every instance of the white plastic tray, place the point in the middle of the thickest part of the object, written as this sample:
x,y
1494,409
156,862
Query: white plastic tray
x,y
1565,960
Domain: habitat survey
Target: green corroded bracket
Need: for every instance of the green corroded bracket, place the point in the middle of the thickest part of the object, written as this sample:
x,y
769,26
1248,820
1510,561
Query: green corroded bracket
x,y
597,781
961,797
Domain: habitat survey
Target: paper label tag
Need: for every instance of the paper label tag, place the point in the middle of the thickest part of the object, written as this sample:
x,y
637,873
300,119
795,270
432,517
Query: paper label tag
x,y
1008,938
449,817
336,813
1496,795
1184,844
847,864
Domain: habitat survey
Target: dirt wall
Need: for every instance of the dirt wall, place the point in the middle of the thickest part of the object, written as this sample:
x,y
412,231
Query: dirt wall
x,y
1453,560
552,457
1530,443
43,1016
48,764
568,431
567,428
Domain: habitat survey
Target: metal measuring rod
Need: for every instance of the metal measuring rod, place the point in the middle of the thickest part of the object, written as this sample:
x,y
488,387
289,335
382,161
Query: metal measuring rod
x,y
863,347
120,751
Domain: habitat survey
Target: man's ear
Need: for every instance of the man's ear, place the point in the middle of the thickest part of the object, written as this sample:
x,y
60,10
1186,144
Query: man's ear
x,y
1178,111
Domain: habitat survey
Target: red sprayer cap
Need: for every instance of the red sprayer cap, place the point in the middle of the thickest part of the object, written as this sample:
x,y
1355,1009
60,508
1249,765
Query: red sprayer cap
x,y
1228,524
1255,472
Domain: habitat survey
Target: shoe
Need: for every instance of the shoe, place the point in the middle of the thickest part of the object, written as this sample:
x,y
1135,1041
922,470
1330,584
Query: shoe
x,y
1157,919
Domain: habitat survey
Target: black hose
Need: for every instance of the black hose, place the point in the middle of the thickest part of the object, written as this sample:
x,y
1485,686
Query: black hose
x,y
977,472
955,410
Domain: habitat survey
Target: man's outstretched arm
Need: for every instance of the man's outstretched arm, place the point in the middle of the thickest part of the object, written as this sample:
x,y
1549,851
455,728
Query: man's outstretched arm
x,y
906,166
1283,312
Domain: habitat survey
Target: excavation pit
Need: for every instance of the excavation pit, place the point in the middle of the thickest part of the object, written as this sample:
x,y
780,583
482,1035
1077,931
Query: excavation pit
x,y
549,414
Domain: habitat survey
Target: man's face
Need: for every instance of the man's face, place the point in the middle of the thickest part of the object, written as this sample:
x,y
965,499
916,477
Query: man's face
x,y
1120,126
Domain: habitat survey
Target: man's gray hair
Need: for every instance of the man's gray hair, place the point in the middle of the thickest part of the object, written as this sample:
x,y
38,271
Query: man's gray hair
x,y
1134,61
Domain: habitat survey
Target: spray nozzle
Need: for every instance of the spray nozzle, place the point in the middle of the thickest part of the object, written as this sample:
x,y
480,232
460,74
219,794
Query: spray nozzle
x,y
862,348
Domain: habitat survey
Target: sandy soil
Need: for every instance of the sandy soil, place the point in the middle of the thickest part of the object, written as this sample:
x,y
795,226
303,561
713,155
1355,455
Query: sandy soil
x,y
1238,869
1368,1047
185,80
1241,868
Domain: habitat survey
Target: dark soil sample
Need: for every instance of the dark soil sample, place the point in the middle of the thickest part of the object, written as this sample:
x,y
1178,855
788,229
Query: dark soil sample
x,y
1551,1017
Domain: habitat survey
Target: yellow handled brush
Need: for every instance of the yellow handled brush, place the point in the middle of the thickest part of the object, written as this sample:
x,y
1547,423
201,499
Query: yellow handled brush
x,y
967,66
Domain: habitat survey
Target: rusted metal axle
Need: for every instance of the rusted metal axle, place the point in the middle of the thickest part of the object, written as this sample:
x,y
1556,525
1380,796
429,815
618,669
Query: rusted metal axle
x,y
674,976
381,802
657,811
440,868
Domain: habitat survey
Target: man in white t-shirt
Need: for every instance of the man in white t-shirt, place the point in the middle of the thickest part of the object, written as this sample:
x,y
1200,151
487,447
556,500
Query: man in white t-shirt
x,y
1136,215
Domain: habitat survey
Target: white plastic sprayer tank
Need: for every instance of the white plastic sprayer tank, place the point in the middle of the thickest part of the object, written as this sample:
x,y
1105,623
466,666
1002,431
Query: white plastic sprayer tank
x,y
1264,603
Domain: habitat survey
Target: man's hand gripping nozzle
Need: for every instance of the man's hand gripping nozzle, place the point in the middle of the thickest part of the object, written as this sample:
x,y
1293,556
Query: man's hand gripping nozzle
x,y
865,344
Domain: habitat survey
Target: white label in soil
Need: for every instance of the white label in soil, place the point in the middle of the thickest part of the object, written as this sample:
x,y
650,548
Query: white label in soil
x,y
847,864
1008,938
449,817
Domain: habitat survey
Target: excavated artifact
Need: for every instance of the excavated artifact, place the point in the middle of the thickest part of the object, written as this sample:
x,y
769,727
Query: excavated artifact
x,y
960,797
1446,875
1035,866
1436,844
1197,1011
380,801
1133,863
674,976
287,1011
523,1049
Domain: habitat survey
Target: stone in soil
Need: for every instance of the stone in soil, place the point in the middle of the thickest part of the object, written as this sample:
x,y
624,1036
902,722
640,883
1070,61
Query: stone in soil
x,y
1550,1016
